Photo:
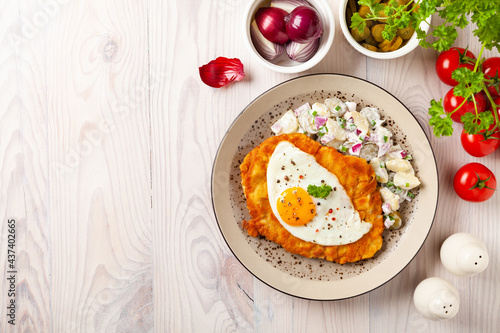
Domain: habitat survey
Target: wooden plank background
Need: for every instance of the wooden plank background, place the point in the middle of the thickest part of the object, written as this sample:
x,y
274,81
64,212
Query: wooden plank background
x,y
106,146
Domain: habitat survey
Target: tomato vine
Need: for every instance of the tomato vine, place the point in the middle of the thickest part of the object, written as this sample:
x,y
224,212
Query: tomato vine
x,y
458,14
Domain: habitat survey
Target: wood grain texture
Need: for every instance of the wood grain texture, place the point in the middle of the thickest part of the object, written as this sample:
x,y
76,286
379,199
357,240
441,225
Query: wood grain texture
x,y
80,122
106,147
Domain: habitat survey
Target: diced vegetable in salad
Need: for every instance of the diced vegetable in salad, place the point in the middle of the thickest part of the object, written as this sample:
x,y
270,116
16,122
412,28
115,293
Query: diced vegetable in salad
x,y
360,133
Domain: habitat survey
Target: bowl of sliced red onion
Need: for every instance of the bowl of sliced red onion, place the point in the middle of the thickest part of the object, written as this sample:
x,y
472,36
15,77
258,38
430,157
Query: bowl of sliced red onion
x,y
289,36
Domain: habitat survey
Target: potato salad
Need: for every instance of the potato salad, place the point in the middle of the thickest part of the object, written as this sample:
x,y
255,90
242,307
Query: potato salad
x,y
360,133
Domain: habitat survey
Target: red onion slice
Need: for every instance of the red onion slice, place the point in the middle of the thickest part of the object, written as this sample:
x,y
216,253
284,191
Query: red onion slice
x,y
221,71
320,121
302,52
383,149
267,49
303,108
386,208
355,149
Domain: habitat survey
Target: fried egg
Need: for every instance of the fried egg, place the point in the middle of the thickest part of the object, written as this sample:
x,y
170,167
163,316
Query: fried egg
x,y
329,221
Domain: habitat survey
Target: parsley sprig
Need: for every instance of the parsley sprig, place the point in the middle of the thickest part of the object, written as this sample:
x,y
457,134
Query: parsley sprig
x,y
319,191
458,14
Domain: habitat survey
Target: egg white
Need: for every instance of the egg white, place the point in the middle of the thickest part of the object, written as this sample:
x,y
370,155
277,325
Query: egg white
x,y
291,167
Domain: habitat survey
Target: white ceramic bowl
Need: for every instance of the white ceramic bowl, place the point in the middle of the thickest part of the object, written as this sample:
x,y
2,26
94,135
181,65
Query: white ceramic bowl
x,y
410,45
283,64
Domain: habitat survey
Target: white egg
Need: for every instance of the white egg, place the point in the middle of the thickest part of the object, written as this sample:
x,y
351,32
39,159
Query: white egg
x,y
334,222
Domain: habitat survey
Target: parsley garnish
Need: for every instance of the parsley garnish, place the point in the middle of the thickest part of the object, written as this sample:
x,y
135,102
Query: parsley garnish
x,y
320,192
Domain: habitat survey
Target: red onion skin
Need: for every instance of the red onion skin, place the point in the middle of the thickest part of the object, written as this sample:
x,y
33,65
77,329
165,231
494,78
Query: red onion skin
x,y
221,71
271,23
303,25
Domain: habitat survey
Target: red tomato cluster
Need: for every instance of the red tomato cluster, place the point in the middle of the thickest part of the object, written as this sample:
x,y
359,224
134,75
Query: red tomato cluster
x,y
457,57
473,182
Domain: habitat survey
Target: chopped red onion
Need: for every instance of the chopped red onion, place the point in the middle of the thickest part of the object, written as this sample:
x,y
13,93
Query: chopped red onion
x,y
303,108
383,149
326,138
355,149
320,121
373,137
388,222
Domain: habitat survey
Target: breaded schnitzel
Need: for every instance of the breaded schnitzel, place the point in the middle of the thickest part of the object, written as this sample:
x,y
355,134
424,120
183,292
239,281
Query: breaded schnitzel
x,y
354,174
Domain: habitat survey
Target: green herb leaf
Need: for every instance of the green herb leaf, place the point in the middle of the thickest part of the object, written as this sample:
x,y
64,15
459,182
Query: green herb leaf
x,y
320,192
441,122
485,16
357,22
469,82
365,2
473,123
446,35
427,8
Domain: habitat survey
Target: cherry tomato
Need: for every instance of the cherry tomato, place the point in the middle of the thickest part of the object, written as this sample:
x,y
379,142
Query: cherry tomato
x,y
451,102
482,144
450,60
491,70
474,182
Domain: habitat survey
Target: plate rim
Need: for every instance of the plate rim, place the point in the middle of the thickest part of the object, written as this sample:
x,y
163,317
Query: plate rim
x,y
232,125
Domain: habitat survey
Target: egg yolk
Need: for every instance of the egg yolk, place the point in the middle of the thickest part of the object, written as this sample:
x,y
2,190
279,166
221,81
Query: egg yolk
x,y
296,207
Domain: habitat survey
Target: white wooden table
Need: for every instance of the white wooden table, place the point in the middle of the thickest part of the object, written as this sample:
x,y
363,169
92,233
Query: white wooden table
x,y
106,146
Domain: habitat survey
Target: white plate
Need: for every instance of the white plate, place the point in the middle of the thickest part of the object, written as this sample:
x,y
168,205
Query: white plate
x,y
314,278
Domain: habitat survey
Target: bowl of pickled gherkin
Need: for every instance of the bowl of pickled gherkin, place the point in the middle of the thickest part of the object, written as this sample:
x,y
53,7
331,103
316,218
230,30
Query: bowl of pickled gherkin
x,y
381,29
